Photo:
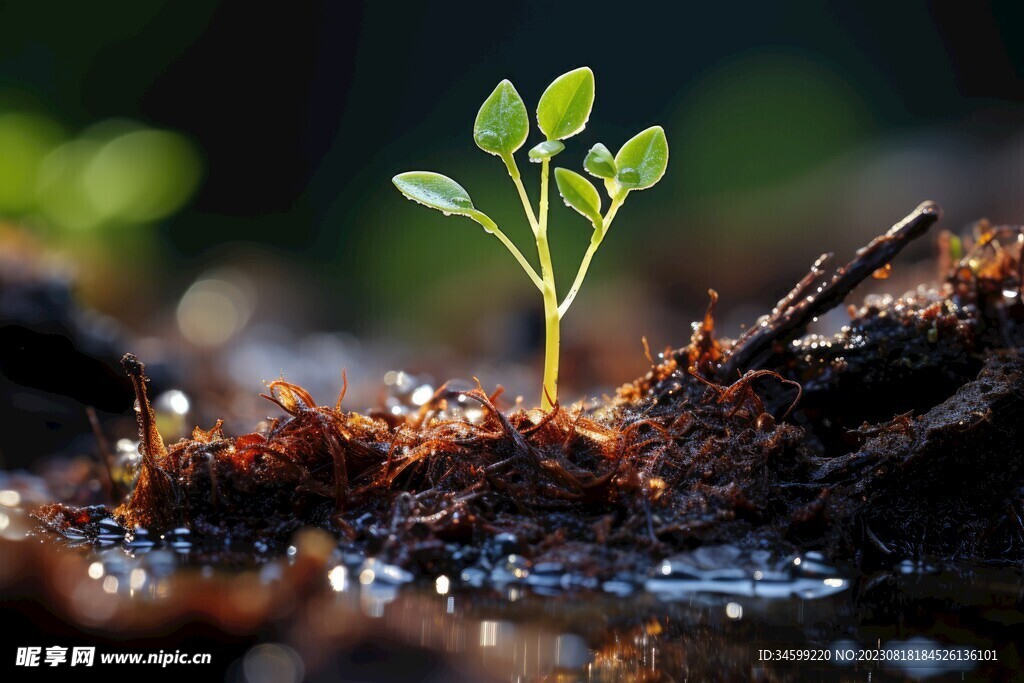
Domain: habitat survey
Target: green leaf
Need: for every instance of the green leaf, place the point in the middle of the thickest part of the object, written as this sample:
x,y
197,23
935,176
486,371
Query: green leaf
x,y
502,123
565,106
642,160
599,162
545,150
580,194
436,191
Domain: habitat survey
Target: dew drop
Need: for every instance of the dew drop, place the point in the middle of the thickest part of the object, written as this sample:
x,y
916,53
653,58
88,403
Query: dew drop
x,y
628,176
487,138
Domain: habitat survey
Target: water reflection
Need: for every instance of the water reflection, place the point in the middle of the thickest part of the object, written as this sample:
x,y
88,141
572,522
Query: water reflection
x,y
696,615
727,570
531,627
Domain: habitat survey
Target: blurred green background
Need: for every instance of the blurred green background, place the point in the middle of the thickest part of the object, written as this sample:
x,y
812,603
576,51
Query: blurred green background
x,y
218,173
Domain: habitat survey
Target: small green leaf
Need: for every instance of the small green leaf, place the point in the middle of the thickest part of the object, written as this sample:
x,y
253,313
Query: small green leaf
x,y
599,162
436,191
565,106
642,160
580,194
545,150
502,123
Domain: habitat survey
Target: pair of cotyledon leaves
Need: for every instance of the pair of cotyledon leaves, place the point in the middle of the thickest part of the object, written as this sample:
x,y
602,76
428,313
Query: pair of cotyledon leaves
x,y
502,126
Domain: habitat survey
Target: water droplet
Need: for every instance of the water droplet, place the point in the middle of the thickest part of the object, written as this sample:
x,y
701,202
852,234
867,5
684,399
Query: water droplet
x,y
628,176
462,202
422,394
726,570
487,138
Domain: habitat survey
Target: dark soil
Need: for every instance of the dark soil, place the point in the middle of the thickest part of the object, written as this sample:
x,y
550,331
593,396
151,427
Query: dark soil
x,y
899,436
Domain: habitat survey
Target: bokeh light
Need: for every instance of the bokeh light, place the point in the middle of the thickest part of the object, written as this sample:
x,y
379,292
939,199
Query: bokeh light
x,y
115,173
214,309
25,141
142,176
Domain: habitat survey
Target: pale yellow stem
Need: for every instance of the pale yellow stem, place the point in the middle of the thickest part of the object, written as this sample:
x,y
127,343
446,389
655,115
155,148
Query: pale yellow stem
x,y
549,393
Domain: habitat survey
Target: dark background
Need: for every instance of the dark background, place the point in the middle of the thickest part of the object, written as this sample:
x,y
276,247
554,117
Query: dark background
x,y
794,128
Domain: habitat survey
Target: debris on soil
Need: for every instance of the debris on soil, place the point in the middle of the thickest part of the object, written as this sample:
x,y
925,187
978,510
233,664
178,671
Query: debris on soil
x,y
898,436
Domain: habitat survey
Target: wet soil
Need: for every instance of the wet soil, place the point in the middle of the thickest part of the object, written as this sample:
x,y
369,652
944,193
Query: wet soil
x,y
898,436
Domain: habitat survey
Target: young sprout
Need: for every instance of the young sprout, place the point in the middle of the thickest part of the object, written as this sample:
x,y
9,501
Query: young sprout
x,y
502,127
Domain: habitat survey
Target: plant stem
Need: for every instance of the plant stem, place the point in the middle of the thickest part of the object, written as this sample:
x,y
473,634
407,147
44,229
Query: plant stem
x,y
595,242
549,393
513,170
492,227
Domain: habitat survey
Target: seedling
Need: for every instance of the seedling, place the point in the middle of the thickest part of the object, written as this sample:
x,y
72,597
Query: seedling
x,y
501,129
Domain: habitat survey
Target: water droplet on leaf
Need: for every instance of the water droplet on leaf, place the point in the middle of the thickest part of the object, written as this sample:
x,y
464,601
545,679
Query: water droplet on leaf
x,y
487,138
628,176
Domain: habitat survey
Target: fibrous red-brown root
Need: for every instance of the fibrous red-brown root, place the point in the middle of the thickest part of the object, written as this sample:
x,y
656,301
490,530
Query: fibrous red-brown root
x,y
627,479
769,440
